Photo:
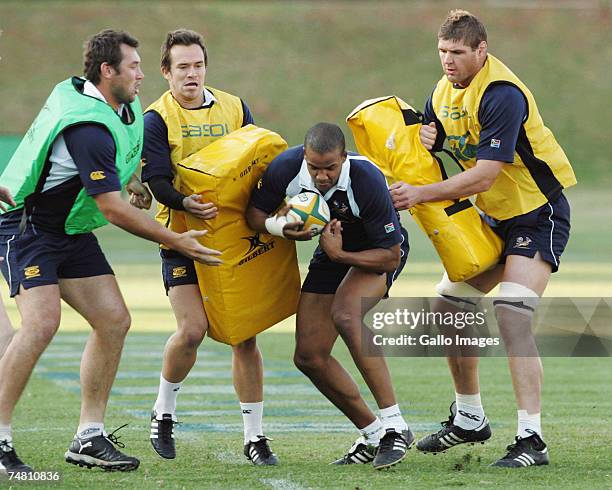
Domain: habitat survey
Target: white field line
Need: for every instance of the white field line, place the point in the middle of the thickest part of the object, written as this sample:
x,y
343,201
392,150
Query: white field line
x,y
281,484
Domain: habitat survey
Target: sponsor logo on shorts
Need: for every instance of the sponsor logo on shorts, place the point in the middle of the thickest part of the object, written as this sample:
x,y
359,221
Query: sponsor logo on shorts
x,y
97,175
257,248
180,271
389,228
32,271
495,143
522,242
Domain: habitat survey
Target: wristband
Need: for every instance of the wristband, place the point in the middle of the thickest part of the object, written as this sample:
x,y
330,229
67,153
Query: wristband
x,y
275,225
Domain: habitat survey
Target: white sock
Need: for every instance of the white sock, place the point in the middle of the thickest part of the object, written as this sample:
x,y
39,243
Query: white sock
x,y
373,433
391,418
90,429
470,414
166,398
6,436
528,424
252,418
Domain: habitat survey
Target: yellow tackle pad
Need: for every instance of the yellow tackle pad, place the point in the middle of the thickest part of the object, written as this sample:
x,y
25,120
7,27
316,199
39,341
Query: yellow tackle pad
x,y
258,284
386,130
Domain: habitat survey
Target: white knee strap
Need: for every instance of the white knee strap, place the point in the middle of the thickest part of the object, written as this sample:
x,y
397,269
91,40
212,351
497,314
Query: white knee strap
x,y
457,292
517,297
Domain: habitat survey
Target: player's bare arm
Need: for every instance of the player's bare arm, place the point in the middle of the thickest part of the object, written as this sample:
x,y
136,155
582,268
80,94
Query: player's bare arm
x,y
378,260
472,181
124,216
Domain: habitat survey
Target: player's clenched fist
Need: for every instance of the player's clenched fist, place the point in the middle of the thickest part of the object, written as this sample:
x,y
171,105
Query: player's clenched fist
x,y
404,195
427,135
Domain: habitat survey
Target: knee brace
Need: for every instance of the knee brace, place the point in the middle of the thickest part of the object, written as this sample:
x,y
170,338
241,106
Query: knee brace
x,y
516,297
460,294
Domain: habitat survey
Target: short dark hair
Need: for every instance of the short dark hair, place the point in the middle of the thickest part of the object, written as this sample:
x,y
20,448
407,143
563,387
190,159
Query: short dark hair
x,y
460,25
105,47
325,137
180,37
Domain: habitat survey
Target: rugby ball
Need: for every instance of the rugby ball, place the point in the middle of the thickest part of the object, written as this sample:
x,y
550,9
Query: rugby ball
x,y
310,208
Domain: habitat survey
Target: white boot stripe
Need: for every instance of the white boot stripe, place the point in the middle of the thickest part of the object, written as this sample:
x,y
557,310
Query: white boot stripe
x,y
449,440
528,458
456,438
521,460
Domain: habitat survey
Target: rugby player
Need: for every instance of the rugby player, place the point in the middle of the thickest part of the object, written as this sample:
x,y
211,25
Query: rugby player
x,y
185,119
361,251
517,171
66,178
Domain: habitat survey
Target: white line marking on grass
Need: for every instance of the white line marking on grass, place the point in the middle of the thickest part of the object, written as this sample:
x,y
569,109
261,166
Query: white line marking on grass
x,y
271,428
231,457
281,484
288,389
206,373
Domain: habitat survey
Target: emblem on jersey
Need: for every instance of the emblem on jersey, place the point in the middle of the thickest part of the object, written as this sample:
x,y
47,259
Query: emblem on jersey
x,y
341,211
495,143
97,175
32,271
180,271
522,242
461,148
256,248
389,228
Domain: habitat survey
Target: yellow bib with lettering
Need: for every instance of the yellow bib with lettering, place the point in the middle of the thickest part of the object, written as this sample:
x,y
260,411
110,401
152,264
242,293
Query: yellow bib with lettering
x,y
540,169
258,284
190,130
386,130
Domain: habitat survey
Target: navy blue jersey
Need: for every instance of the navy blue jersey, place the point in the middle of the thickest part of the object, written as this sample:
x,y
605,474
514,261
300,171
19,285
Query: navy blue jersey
x,y
89,163
156,149
360,200
502,111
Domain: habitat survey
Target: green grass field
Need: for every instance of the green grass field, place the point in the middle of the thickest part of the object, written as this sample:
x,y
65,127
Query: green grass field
x,y
308,432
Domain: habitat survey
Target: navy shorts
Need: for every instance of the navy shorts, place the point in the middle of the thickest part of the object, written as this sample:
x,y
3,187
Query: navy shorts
x,y
177,270
38,258
545,230
324,276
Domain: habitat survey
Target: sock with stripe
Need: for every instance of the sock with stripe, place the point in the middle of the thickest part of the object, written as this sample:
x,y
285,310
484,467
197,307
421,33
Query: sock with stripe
x,y
391,418
166,398
470,414
252,418
373,432
6,437
528,424
90,429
